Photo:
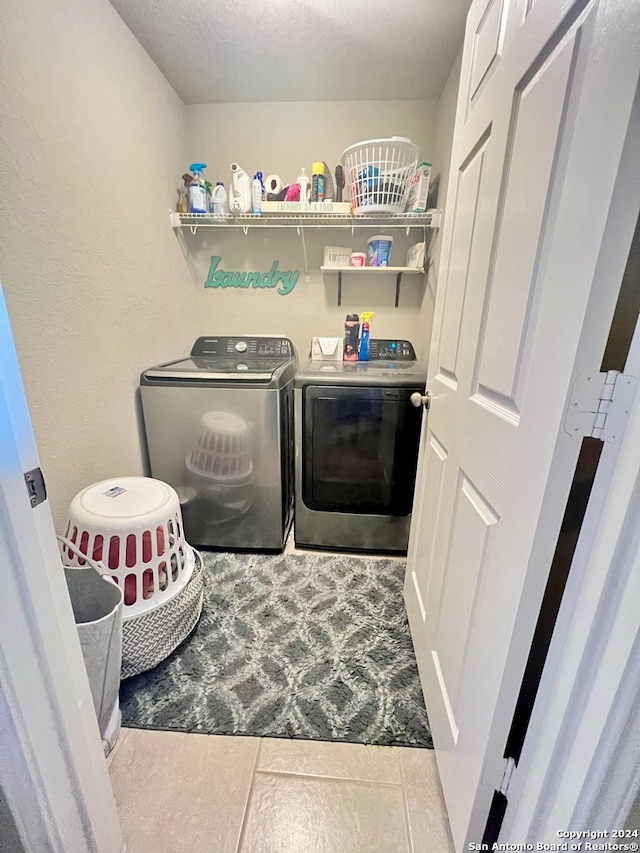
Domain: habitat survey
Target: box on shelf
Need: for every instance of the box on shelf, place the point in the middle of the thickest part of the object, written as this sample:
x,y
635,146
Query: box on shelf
x,y
336,256
418,189
415,256
319,207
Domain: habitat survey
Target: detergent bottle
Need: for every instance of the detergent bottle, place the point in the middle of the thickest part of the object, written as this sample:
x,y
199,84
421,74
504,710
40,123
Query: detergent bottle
x,y
219,200
351,329
240,190
197,191
365,318
256,195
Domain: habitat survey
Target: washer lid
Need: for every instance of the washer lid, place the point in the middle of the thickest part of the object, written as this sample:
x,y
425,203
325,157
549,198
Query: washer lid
x,y
203,369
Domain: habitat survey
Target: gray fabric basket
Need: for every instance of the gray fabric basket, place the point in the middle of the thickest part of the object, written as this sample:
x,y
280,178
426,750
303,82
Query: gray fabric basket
x,y
97,609
150,638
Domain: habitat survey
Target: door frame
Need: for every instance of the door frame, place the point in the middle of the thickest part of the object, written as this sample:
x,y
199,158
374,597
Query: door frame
x,y
579,765
53,774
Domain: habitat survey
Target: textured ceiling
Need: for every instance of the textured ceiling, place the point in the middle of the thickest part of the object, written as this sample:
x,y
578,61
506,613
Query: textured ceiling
x,y
225,51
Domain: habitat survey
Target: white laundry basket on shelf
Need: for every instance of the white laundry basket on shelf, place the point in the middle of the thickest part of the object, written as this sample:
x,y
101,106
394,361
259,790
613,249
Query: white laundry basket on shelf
x,y
133,527
377,172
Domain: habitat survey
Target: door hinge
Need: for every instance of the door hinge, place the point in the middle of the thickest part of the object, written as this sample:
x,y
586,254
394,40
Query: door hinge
x,y
600,404
506,776
36,488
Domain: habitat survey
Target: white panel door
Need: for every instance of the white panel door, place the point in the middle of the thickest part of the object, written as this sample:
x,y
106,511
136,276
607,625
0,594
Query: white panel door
x,y
522,306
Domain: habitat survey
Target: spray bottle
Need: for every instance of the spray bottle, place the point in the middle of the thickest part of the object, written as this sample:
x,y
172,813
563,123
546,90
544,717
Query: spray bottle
x,y
183,194
365,317
240,190
197,191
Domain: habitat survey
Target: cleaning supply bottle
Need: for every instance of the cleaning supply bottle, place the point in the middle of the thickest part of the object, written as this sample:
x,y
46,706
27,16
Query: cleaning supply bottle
x,y
256,196
260,177
197,191
219,200
207,189
317,182
365,317
304,182
240,190
182,205
339,182
351,329
328,183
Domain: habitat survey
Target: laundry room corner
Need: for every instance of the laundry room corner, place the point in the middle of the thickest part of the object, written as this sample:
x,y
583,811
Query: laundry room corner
x,y
93,136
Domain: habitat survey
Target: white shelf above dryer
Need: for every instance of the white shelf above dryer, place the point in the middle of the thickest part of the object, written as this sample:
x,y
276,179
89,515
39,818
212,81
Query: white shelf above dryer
x,y
302,220
397,271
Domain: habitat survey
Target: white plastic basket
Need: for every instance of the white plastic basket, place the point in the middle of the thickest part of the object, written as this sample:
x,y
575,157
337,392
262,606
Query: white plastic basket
x,y
222,452
133,525
377,172
220,470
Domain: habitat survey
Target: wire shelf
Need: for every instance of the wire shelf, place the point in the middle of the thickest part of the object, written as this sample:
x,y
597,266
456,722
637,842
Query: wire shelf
x,y
193,221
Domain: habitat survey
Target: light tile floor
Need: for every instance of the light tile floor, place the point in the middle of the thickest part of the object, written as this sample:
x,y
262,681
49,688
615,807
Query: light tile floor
x,y
212,794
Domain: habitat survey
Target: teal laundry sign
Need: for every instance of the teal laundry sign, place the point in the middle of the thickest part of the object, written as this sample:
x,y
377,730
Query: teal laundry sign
x,y
285,281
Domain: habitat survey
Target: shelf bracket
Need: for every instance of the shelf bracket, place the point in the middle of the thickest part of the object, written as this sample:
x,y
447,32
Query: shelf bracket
x,y
245,230
339,289
398,280
300,231
193,229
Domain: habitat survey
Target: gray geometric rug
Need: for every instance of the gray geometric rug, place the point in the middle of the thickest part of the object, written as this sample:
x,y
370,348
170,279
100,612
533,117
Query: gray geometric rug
x,y
299,646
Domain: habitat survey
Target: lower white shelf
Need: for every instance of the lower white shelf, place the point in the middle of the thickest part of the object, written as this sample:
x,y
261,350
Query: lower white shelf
x,y
375,270
397,271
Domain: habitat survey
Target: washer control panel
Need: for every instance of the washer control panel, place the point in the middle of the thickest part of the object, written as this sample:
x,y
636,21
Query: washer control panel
x,y
381,349
256,347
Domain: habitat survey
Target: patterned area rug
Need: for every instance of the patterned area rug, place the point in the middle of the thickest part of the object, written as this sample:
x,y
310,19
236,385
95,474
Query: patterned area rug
x,y
301,646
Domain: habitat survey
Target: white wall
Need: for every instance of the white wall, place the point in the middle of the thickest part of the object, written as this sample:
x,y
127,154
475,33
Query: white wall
x,y
280,138
92,142
445,122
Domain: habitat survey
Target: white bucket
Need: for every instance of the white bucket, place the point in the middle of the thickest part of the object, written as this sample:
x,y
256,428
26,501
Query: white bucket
x,y
379,250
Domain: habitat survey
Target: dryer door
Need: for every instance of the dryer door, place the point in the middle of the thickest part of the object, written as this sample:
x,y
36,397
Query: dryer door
x,y
361,449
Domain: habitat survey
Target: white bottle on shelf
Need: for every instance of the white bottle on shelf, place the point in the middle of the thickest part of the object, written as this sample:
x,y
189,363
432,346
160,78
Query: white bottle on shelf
x,y
256,196
304,181
220,201
240,190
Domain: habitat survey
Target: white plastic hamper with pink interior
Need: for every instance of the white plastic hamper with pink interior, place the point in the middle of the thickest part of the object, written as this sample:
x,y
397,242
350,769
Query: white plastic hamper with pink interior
x,y
133,527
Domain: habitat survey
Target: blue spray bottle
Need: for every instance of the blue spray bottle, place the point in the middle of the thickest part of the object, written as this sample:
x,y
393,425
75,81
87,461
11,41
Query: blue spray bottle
x,y
365,318
197,190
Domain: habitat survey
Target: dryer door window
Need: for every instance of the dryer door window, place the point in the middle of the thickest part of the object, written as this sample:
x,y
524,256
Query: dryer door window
x,y
361,450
